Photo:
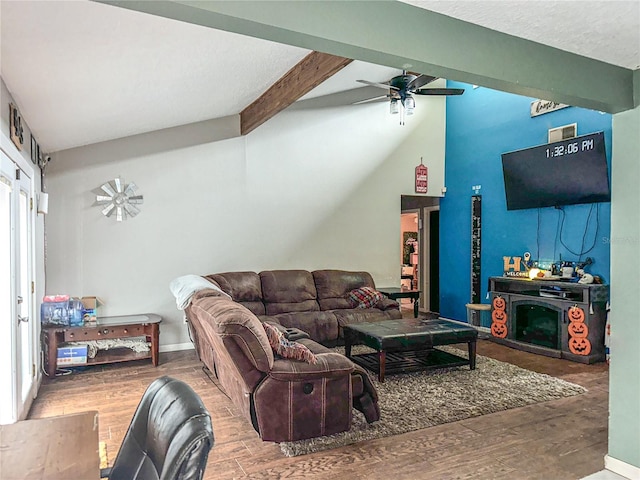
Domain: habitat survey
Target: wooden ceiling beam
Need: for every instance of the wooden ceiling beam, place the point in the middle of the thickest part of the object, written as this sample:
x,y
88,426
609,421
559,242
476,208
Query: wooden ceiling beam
x,y
310,72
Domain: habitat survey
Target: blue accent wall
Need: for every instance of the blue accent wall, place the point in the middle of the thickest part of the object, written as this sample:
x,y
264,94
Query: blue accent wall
x,y
482,124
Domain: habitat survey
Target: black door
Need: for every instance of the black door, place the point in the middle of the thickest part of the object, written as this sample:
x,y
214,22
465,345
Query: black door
x,y
434,261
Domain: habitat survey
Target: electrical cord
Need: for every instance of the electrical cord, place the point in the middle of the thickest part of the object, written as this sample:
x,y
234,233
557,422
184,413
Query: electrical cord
x,y
584,236
555,241
538,237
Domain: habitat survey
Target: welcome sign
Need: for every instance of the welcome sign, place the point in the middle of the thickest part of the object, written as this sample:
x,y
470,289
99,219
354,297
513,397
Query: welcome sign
x,y
422,176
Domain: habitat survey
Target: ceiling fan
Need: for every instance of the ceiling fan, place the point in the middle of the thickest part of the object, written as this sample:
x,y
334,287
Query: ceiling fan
x,y
402,88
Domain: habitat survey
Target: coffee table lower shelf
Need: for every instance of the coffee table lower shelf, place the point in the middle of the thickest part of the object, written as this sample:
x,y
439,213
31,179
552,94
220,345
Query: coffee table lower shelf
x,y
407,361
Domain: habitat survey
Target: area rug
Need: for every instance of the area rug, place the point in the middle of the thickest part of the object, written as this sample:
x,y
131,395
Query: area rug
x,y
413,401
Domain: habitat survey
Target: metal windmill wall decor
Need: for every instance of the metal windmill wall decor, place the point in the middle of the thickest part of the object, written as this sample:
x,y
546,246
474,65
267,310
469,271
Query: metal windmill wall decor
x,y
120,198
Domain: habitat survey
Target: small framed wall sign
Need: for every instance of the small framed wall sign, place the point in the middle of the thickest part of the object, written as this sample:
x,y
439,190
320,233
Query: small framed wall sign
x,y
34,150
15,126
421,178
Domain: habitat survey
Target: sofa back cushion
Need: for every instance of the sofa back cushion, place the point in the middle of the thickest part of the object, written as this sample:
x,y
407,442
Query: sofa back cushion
x,y
244,288
333,287
288,291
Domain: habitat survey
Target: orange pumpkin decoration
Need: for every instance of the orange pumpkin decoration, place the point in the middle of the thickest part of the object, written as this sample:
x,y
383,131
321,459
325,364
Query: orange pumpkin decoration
x,y
499,303
578,329
499,330
499,316
576,314
579,346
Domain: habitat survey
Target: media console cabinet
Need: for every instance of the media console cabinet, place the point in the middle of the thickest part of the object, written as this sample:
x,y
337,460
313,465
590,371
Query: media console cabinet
x,y
107,328
554,318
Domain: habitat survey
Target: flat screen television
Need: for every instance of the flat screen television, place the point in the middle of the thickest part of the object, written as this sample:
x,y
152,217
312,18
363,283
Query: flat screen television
x,y
568,172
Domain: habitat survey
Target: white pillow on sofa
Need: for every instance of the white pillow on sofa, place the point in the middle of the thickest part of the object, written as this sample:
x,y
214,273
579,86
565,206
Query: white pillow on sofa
x,y
184,287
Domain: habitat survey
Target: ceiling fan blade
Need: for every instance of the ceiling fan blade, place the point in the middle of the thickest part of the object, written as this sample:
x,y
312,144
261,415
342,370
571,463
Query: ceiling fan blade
x,y
383,98
420,81
440,91
386,86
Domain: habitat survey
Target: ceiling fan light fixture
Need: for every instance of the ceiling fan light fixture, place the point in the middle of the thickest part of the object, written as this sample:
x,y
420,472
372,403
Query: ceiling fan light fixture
x,y
393,106
409,104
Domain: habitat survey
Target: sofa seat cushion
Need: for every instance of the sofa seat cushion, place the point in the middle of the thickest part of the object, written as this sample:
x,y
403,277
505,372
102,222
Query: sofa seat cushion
x,y
333,287
329,365
288,291
244,288
321,326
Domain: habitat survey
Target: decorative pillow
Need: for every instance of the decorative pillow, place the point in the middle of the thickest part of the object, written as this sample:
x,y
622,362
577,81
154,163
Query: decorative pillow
x,y
286,348
364,297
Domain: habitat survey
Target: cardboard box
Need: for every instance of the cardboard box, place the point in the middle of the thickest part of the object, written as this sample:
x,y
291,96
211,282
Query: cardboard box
x,y
91,305
72,355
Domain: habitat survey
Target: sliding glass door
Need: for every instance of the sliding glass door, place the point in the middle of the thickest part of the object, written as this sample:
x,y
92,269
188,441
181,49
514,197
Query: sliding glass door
x,y
18,325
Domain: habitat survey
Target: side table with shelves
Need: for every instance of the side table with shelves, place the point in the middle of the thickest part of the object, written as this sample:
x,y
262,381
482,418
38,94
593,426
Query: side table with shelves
x,y
395,293
107,328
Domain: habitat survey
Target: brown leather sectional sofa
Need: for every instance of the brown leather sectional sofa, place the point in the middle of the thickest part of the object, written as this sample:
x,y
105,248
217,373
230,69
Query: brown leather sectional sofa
x,y
314,302
285,399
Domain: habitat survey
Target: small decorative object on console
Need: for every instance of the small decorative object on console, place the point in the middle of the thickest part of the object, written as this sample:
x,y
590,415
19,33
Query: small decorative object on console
x,y
90,312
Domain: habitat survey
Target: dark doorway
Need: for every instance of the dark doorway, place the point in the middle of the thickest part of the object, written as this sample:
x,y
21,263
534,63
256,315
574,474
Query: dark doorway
x,y
434,261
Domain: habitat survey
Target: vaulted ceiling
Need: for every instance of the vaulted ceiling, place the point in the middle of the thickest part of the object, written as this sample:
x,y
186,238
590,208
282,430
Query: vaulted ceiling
x,y
83,72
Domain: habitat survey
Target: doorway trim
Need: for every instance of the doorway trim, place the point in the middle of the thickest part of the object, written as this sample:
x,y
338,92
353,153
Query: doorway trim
x,y
16,397
425,265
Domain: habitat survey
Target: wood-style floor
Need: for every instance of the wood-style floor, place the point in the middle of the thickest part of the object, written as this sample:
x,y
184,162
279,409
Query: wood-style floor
x,y
560,439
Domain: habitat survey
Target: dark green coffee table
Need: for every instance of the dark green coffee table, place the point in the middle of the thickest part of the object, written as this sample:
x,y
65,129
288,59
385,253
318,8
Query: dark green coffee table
x,y
407,344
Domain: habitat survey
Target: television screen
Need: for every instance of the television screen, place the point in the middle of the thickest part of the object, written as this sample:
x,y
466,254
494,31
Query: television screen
x,y
562,173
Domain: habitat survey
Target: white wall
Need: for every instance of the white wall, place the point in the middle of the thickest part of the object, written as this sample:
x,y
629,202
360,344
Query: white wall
x,y
624,374
315,187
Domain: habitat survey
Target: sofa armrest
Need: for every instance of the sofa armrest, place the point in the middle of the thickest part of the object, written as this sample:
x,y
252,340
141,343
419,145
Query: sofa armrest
x,y
387,304
330,365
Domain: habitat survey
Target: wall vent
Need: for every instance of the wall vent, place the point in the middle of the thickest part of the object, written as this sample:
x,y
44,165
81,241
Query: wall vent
x,y
563,133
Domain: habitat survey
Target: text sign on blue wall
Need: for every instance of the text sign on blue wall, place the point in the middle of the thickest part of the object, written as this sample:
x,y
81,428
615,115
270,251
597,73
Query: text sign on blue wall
x,y
476,233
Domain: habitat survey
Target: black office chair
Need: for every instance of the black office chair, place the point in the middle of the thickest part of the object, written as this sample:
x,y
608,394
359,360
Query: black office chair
x,y
169,437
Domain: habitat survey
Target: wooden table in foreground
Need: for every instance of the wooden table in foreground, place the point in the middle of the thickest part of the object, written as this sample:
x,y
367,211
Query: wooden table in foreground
x,y
394,293
107,328
407,344
54,448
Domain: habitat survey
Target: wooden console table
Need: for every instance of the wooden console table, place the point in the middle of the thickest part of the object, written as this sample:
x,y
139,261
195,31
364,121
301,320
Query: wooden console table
x,y
107,328
52,448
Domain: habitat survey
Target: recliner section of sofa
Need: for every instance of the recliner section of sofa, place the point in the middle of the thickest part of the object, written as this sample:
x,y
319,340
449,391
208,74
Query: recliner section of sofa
x,y
284,399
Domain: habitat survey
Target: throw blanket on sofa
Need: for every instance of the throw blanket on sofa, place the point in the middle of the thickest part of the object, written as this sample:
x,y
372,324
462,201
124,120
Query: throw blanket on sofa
x,y
184,287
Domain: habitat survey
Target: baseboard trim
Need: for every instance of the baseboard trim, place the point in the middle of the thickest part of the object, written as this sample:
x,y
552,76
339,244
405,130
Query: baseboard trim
x,y
621,468
176,347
